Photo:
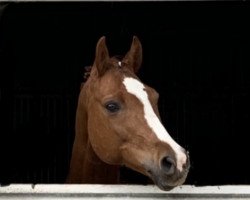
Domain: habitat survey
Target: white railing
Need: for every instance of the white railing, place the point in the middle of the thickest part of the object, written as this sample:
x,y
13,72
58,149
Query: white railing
x,y
106,192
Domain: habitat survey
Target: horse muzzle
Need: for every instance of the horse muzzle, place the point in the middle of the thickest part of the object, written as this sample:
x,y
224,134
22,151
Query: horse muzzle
x,y
167,176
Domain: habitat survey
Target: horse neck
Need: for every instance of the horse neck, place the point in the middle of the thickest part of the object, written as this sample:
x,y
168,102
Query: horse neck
x,y
85,166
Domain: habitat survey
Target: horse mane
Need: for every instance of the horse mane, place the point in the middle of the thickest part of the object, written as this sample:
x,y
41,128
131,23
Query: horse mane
x,y
86,73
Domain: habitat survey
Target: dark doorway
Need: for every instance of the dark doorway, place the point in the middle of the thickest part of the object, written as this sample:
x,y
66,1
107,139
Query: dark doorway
x,y
196,54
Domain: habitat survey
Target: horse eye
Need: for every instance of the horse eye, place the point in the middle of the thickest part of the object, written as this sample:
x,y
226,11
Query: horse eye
x,y
112,107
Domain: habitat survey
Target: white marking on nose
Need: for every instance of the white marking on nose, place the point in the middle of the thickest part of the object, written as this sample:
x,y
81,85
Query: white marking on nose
x,y
120,63
135,87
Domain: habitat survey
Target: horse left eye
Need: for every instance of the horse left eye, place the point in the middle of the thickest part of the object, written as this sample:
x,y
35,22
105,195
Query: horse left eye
x,y
112,107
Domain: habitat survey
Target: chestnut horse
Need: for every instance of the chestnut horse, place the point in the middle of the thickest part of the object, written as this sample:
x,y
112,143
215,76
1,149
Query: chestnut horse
x,y
118,123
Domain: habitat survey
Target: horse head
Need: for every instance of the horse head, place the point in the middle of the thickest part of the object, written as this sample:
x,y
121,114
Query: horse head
x,y
123,122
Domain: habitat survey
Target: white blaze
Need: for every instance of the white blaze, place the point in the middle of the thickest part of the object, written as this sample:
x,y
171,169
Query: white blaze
x,y
136,88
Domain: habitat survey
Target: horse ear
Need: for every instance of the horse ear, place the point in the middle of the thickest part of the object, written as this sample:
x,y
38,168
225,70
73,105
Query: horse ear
x,y
134,56
101,56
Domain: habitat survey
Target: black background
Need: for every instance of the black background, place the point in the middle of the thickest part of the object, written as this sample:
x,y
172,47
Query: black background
x,y
196,54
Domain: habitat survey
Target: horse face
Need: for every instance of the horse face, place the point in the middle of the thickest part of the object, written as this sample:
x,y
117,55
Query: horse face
x,y
124,123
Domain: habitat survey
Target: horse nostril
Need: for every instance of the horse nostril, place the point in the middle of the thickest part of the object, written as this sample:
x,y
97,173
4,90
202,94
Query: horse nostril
x,y
168,165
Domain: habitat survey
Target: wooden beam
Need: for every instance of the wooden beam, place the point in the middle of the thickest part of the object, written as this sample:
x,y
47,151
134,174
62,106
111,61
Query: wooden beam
x,y
106,192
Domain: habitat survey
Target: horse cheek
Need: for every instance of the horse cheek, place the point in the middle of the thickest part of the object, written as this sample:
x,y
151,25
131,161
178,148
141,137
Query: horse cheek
x,y
104,143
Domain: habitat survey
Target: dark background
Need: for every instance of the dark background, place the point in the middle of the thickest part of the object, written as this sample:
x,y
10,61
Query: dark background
x,y
196,54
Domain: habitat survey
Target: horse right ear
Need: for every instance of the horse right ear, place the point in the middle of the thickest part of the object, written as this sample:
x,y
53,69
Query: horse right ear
x,y
101,56
134,56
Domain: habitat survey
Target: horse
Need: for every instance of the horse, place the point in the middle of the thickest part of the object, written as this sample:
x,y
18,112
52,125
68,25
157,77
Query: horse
x,y
118,124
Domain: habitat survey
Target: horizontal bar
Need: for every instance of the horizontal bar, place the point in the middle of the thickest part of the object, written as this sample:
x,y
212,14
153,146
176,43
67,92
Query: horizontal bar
x,y
103,0
105,192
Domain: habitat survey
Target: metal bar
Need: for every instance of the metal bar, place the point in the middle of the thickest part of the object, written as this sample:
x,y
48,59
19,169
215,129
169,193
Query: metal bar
x,y
82,191
108,0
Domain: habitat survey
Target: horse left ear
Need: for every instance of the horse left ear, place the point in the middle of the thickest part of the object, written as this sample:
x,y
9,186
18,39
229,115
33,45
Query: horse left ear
x,y
134,56
101,56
